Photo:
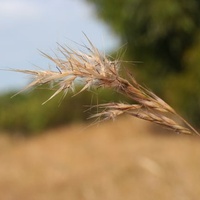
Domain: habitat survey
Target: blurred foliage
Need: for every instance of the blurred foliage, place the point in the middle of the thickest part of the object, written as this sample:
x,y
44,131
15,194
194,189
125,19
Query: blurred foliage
x,y
183,90
164,35
25,115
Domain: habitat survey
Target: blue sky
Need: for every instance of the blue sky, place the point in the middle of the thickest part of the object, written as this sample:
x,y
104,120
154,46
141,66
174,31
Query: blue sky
x,y
29,25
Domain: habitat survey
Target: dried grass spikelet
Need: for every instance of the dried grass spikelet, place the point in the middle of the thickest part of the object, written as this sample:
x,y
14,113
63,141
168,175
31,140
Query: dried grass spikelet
x,y
95,69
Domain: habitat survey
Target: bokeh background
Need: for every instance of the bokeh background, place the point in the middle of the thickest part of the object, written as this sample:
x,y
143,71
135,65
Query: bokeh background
x,y
50,151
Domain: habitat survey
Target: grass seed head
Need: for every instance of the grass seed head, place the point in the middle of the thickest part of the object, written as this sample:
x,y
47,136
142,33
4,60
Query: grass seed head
x,y
94,69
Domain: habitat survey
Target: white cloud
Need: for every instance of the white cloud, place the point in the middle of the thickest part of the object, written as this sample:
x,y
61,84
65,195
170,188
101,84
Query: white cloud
x,y
18,9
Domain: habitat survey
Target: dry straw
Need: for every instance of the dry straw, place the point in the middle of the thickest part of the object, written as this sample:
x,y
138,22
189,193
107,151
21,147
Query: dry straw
x,y
96,70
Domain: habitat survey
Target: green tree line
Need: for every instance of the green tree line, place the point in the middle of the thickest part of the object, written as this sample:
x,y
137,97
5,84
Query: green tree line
x,y
25,115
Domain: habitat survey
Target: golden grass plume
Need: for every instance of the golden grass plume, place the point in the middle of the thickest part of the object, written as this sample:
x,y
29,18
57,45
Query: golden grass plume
x,y
95,69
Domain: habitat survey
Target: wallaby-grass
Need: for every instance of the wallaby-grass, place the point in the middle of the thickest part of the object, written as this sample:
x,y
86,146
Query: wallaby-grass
x,y
95,69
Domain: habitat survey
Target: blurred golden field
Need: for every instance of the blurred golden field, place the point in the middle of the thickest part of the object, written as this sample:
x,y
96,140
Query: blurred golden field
x,y
125,159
